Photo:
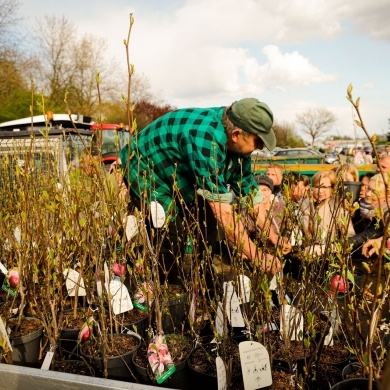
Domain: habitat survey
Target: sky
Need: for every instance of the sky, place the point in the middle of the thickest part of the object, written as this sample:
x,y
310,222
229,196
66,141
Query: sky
x,y
292,54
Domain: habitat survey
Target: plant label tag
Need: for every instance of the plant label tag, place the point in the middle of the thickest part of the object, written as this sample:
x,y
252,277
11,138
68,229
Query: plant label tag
x,y
106,274
120,297
221,373
244,289
219,320
3,269
192,308
4,334
255,365
272,284
73,280
131,227
158,214
291,322
47,361
18,234
233,309
329,337
160,359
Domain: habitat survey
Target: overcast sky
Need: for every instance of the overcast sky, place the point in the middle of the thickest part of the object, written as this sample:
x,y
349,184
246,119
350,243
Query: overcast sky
x,y
292,54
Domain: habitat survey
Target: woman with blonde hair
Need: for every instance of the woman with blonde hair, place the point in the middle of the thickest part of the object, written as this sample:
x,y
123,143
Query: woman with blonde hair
x,y
323,217
347,172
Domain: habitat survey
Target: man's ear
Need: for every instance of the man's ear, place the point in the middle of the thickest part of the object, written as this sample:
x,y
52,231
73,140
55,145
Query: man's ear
x,y
235,134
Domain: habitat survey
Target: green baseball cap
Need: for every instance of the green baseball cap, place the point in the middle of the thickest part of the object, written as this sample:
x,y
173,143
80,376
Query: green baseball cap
x,y
254,117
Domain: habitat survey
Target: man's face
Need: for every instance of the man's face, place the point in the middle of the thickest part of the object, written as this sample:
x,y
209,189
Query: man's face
x,y
275,175
243,144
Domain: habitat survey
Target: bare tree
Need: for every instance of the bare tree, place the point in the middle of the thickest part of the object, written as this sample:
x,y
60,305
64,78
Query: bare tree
x,y
8,19
315,121
70,67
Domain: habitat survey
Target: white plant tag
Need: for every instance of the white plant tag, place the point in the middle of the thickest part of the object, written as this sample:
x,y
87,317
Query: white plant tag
x,y
4,334
47,361
99,288
255,365
329,337
131,227
72,279
244,288
221,373
233,309
158,214
106,274
291,322
192,308
120,297
18,234
219,320
3,269
272,283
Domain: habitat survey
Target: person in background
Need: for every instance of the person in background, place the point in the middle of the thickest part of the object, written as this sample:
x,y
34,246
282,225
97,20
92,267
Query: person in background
x,y
347,172
183,162
368,158
322,215
365,180
275,172
383,165
358,156
372,209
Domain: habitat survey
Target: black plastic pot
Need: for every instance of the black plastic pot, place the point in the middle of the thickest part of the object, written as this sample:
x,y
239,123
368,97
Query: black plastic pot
x,y
25,349
118,367
353,384
173,313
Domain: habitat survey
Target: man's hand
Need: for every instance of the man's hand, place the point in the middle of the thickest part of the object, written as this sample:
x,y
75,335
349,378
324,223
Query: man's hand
x,y
372,246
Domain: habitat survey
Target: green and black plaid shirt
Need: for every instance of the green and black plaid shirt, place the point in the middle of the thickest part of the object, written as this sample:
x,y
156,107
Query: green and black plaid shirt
x,y
185,152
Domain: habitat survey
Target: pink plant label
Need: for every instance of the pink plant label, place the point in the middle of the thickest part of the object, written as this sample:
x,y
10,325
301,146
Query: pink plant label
x,y
221,373
160,359
255,365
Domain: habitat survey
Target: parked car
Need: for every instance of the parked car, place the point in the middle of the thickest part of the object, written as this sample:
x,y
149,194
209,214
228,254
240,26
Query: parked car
x,y
299,155
331,159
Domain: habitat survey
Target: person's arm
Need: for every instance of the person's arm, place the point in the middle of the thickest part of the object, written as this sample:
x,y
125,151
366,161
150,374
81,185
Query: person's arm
x,y
235,232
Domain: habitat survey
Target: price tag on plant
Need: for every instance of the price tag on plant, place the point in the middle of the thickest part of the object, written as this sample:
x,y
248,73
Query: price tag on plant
x,y
131,227
244,292
255,365
329,337
233,309
221,373
158,214
47,361
291,322
120,297
73,279
3,269
4,335
219,320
